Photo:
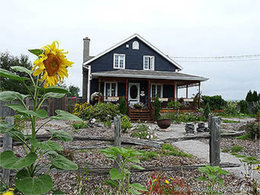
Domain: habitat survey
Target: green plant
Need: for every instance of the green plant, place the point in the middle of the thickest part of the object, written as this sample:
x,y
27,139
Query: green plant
x,y
30,177
215,102
236,148
107,124
230,121
125,158
139,105
125,123
231,108
158,184
148,155
244,137
122,105
185,117
19,122
79,125
168,149
81,178
174,104
207,111
243,106
253,129
105,111
83,111
212,175
157,108
142,131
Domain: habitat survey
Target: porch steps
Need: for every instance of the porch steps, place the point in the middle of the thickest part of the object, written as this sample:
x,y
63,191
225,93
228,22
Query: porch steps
x,y
141,115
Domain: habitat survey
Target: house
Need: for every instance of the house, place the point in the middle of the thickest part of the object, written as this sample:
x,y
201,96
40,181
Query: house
x,y
135,69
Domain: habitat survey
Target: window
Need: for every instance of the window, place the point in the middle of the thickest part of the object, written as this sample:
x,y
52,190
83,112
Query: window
x,y
135,45
110,89
157,90
119,61
148,63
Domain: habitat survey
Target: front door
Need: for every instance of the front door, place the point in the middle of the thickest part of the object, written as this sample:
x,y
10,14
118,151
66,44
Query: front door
x,y
134,93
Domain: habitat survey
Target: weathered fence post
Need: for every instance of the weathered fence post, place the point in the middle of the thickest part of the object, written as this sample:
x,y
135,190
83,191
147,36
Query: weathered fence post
x,y
7,145
117,131
214,142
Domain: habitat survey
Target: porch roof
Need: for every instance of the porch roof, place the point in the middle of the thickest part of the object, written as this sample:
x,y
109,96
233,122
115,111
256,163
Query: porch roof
x,y
149,74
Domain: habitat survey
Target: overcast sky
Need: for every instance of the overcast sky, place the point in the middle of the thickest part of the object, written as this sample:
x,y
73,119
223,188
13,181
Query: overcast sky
x,y
177,28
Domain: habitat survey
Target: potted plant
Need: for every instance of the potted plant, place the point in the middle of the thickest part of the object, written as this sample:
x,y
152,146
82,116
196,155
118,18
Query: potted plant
x,y
164,122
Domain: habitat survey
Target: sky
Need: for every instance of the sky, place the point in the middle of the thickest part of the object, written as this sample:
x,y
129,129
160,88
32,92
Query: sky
x,y
186,28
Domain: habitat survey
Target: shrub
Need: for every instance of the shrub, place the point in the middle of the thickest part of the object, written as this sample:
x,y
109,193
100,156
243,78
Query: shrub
x,y
157,108
236,148
168,149
207,111
107,124
79,125
249,96
243,107
122,105
231,108
215,102
174,104
253,129
105,112
148,155
256,107
83,111
185,117
125,123
143,132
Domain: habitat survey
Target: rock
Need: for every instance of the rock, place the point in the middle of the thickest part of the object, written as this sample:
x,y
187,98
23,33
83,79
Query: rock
x,y
189,128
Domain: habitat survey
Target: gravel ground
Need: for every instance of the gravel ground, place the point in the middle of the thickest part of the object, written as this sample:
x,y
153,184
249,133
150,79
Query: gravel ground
x,y
94,184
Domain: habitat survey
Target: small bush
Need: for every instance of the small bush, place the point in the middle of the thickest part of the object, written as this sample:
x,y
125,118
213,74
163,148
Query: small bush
x,y
107,124
125,123
230,121
81,125
105,112
174,104
244,137
83,111
207,111
148,155
142,132
236,148
157,108
215,102
168,149
253,129
231,108
122,105
185,117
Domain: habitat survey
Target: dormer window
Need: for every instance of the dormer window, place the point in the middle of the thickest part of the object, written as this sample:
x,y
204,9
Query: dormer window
x,y
135,45
119,61
148,62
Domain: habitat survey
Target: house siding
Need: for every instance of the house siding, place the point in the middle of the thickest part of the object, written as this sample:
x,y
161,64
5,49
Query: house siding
x,y
133,58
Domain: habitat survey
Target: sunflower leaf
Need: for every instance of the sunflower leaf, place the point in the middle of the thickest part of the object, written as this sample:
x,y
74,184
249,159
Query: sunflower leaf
x,y
21,69
63,115
53,95
55,89
10,75
7,96
36,52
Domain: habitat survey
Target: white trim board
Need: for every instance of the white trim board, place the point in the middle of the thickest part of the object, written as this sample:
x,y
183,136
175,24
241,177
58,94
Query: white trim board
x,y
142,39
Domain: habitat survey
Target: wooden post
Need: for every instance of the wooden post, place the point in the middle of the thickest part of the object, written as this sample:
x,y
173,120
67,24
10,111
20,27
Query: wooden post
x,y
149,98
174,90
214,142
117,131
99,86
199,97
187,91
126,93
7,145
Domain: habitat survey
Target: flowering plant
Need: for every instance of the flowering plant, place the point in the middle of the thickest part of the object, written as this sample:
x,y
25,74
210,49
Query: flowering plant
x,y
158,184
49,69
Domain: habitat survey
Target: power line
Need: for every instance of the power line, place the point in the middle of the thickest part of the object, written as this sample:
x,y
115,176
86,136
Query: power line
x,y
217,60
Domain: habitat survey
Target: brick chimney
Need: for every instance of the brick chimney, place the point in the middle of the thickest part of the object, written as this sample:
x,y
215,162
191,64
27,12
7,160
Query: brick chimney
x,y
86,56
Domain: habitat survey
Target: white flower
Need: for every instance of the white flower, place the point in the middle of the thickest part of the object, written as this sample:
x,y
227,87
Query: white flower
x,y
151,136
147,136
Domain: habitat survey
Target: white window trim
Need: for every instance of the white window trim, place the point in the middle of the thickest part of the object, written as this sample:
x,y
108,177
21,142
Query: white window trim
x,y
144,62
156,84
110,88
114,59
135,45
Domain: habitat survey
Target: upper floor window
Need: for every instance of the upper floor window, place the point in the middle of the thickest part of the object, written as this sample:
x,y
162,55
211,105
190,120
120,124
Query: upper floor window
x,y
135,45
119,61
148,63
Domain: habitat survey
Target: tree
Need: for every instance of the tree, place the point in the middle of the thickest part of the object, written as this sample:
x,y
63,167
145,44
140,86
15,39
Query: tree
x,y
122,105
6,62
249,96
73,91
254,96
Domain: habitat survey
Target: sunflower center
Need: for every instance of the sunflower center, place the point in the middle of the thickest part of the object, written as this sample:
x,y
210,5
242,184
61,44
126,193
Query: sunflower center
x,y
51,64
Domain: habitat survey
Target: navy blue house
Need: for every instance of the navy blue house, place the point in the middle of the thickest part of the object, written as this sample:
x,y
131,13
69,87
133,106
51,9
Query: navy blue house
x,y
135,69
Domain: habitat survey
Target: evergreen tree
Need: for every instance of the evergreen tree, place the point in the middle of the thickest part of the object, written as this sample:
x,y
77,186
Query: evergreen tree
x,y
122,105
207,111
157,108
254,97
73,91
249,96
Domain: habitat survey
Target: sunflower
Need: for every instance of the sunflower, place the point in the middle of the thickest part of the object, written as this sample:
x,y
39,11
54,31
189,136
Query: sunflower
x,y
52,65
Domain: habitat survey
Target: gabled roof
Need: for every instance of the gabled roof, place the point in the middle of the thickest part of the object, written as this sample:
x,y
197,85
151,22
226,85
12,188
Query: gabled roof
x,y
147,74
128,39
